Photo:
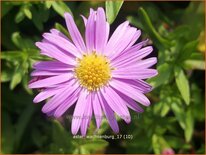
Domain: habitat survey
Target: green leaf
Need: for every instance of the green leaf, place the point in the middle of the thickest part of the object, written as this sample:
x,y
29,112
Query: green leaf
x,y
60,7
158,143
20,16
6,75
182,84
22,43
112,9
179,113
11,55
165,109
48,4
27,12
194,64
25,81
189,122
16,79
164,72
188,49
62,29
149,28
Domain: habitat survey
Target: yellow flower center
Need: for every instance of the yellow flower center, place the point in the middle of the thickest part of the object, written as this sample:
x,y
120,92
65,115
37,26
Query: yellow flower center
x,y
93,71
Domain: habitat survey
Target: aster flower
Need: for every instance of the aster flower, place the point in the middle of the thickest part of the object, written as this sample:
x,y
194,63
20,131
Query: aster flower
x,y
99,76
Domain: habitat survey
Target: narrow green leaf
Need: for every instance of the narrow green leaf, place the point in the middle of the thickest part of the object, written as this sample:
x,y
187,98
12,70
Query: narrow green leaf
x,y
182,84
189,122
60,7
112,9
149,28
11,55
19,16
179,113
16,79
194,64
27,12
165,109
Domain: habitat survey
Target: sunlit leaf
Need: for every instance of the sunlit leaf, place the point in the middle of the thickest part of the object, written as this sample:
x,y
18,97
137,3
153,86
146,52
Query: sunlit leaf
x,y
16,79
189,122
194,64
112,9
27,12
60,7
182,84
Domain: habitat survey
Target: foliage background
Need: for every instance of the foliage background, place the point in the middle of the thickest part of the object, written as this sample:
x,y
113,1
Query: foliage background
x,y
174,120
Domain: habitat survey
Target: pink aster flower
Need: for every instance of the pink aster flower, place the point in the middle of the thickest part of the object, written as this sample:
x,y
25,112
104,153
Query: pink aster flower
x,y
98,75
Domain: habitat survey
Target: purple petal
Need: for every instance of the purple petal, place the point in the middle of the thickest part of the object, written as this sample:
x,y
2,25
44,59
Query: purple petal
x,y
87,115
116,36
124,42
97,109
134,39
62,43
57,32
108,113
131,103
49,92
80,107
55,53
67,103
60,98
101,26
47,73
134,73
116,103
84,20
90,32
130,92
52,66
131,53
51,81
74,33
138,84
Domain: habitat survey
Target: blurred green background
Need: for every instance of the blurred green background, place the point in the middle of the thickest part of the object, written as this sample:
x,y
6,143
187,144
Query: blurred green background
x,y
176,118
